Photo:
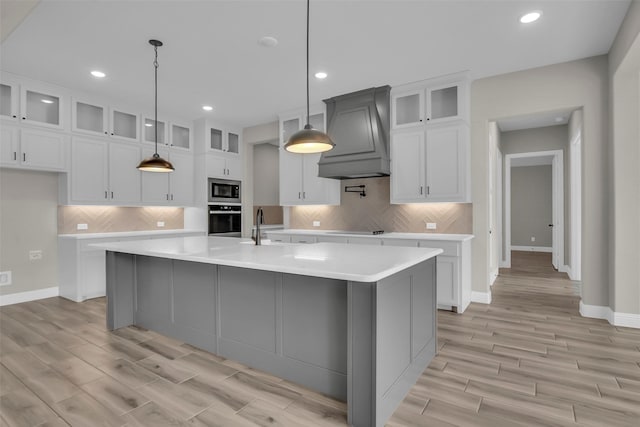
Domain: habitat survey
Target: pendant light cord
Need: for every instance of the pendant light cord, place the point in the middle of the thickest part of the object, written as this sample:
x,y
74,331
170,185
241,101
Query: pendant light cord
x,y
155,65
308,63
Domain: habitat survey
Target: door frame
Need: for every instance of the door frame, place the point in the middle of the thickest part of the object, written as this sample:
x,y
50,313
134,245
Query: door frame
x,y
575,206
557,202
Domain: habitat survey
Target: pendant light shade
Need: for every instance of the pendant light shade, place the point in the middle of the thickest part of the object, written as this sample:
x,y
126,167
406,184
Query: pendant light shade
x,y
309,140
156,163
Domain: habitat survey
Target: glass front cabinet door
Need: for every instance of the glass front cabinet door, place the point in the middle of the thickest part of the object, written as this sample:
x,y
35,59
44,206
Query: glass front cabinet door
x,y
41,107
9,101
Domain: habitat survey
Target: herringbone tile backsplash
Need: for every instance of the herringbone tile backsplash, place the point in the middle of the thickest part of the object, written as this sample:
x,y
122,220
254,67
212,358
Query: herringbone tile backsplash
x,y
106,219
374,212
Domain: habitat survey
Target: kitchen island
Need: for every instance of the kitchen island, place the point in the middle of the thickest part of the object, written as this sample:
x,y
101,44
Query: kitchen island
x,y
356,323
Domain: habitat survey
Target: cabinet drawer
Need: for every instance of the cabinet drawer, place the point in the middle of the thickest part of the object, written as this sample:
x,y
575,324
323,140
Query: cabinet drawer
x,y
303,239
449,248
281,238
400,242
84,245
332,239
365,241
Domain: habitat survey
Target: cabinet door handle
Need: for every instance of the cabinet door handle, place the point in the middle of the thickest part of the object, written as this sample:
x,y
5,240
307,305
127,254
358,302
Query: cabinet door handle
x,y
24,118
24,157
14,116
15,155
105,194
428,190
172,197
304,195
112,194
421,190
299,195
167,196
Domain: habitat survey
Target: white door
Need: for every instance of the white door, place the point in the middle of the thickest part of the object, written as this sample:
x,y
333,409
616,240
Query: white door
x,y
124,177
182,179
9,147
155,185
89,173
445,164
43,150
407,167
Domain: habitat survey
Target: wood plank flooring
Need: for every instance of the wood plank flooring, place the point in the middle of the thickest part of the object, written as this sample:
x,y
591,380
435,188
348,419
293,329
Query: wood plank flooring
x,y
527,359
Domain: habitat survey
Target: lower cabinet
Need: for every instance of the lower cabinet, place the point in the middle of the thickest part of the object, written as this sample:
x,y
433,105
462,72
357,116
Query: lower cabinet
x,y
81,267
453,265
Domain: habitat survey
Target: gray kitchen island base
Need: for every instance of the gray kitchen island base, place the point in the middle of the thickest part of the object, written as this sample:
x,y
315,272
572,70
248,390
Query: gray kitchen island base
x,y
363,343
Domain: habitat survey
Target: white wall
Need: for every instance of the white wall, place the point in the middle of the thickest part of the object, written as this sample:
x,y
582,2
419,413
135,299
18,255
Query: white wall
x,y
569,85
266,186
531,206
28,221
251,136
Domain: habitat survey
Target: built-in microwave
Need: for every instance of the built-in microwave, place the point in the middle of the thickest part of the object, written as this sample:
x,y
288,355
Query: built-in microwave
x,y
224,191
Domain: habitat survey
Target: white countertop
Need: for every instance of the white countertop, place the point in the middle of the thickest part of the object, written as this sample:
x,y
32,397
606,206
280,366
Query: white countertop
x,y
361,263
130,234
390,235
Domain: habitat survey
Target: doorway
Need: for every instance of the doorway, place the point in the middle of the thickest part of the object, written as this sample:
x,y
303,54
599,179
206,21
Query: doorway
x,y
553,158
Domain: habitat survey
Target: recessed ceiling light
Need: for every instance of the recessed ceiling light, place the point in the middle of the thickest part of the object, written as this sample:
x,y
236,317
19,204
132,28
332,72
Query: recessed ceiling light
x,y
149,125
321,75
207,107
47,101
559,119
268,41
530,17
98,74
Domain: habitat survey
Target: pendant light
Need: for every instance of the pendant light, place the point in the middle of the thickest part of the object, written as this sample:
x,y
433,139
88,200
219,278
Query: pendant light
x,y
309,140
156,163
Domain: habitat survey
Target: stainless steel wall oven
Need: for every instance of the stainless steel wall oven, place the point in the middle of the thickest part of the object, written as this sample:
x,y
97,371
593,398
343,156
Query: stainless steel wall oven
x,y
225,220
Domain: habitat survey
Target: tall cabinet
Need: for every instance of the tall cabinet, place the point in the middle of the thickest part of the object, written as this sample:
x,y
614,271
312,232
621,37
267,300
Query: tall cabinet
x,y
430,141
299,181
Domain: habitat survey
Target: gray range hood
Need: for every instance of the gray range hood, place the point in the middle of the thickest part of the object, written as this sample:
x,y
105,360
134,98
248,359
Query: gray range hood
x,y
359,125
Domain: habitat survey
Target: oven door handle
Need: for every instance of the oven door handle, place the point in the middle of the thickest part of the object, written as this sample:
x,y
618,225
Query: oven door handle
x,y
224,212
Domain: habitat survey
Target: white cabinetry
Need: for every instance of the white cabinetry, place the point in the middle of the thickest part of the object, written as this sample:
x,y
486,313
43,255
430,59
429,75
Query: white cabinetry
x,y
299,181
9,105
33,149
42,106
430,164
226,167
94,118
430,143
82,268
104,173
453,265
431,101
175,188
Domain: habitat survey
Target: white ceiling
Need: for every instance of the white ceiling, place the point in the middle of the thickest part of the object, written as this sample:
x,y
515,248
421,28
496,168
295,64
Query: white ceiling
x,y
211,54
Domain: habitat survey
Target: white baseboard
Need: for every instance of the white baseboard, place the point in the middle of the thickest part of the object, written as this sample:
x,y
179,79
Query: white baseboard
x,y
481,297
28,296
493,277
532,248
628,320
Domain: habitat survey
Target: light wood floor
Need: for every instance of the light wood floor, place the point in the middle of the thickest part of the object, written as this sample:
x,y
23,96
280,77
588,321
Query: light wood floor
x,y
526,359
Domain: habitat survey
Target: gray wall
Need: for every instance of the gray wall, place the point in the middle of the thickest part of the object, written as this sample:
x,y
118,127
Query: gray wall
x,y
624,157
544,139
28,221
531,204
570,85
266,187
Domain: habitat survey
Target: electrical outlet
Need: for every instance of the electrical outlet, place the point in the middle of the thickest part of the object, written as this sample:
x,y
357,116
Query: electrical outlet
x,y
82,227
160,223
533,239
431,225
5,278
316,223
35,255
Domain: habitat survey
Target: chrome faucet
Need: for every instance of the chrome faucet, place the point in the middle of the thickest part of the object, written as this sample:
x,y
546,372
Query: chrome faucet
x,y
259,220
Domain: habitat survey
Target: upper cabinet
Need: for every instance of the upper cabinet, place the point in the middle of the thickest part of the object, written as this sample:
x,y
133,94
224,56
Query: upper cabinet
x,y
33,149
9,93
430,102
430,143
222,140
180,135
299,181
97,119
149,126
